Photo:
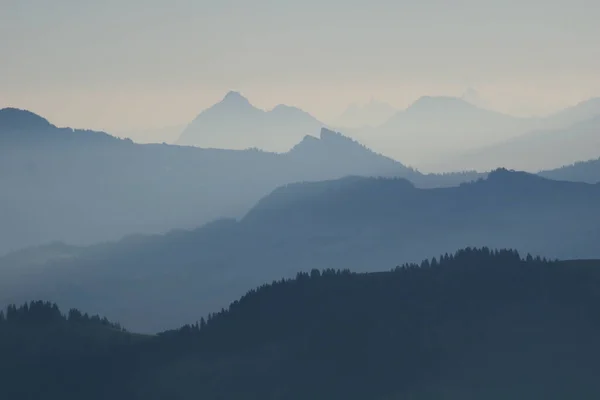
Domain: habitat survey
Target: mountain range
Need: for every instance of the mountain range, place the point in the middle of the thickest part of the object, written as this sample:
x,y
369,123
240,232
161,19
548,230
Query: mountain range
x,y
433,127
538,150
447,133
477,323
438,133
234,123
364,224
582,171
84,187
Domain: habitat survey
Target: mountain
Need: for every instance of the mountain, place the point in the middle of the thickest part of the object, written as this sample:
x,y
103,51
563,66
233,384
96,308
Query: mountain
x,y
538,150
434,127
341,155
82,187
477,324
582,171
373,113
436,133
364,224
14,119
583,111
234,123
441,133
50,355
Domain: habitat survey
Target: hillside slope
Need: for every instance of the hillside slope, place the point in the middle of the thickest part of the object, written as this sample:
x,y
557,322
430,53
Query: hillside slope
x,y
365,224
83,187
471,325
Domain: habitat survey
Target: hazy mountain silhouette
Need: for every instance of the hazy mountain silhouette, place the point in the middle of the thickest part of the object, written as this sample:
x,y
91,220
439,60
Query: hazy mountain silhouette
x,y
373,113
234,123
434,127
538,150
477,324
583,111
582,171
82,187
14,120
441,133
23,130
364,224
435,132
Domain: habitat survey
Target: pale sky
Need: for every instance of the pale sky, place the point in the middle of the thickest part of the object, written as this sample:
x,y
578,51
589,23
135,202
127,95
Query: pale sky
x,y
130,64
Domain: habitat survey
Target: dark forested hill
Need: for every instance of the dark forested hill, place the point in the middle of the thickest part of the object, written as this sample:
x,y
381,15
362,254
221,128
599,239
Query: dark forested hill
x,y
46,354
477,324
365,224
83,187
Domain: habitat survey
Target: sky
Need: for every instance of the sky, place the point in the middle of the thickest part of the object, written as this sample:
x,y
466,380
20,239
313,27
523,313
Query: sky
x,y
121,65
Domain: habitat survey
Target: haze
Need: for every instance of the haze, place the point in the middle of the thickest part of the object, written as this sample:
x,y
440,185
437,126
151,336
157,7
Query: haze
x,y
120,66
331,199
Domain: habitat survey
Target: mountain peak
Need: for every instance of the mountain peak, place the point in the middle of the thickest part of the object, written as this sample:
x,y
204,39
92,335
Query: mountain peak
x,y
17,119
283,109
326,134
332,138
307,144
501,172
329,143
506,176
233,97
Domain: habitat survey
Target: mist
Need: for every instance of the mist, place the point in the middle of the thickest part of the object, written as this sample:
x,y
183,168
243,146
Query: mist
x,y
299,200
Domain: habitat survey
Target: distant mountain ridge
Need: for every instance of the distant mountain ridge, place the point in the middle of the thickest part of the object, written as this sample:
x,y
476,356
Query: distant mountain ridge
x,y
580,112
438,133
538,150
364,224
24,128
82,187
433,127
582,171
234,123
15,119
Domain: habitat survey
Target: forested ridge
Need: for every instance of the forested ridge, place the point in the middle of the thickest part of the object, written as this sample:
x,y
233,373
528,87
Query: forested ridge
x,y
476,324
364,224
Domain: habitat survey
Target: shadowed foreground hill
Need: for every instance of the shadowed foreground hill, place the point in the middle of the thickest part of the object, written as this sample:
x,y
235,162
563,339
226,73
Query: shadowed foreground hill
x,y
358,223
479,324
